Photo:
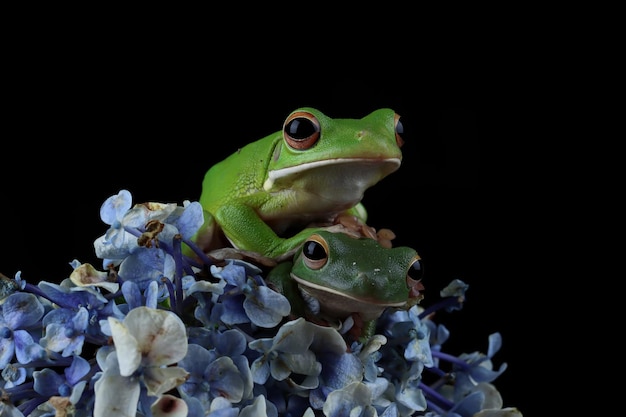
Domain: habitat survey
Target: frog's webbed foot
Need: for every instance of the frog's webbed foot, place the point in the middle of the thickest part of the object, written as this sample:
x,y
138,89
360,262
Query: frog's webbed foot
x,y
354,226
344,223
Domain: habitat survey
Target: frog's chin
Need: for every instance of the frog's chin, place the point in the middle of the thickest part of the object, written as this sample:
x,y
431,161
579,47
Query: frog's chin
x,y
333,177
341,305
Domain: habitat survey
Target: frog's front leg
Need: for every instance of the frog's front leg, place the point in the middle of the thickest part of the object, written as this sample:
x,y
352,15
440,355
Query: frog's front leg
x,y
246,230
280,281
357,211
361,330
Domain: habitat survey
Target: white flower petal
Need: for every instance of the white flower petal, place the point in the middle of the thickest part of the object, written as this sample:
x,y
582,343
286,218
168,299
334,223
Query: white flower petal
x,y
116,396
206,286
161,335
160,380
257,409
86,274
493,399
127,347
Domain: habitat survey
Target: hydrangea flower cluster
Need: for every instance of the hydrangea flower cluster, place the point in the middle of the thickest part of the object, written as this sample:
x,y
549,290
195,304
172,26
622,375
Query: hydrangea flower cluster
x,y
155,333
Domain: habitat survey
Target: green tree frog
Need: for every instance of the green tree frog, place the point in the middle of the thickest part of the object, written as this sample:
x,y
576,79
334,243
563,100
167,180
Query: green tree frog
x,y
270,195
334,276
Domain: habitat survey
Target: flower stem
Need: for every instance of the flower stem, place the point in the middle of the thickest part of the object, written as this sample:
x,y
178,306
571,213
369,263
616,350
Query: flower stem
x,y
447,303
37,291
451,359
178,278
29,406
435,396
171,291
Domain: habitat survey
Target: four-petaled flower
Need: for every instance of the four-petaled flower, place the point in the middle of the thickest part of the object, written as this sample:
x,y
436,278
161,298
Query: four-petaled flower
x,y
71,384
146,341
211,376
21,312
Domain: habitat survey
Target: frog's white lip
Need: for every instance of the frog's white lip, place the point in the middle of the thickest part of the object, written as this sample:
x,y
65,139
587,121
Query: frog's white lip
x,y
273,175
343,304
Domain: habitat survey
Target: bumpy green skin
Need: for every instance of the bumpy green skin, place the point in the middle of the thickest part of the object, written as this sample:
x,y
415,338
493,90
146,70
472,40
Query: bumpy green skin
x,y
247,199
360,278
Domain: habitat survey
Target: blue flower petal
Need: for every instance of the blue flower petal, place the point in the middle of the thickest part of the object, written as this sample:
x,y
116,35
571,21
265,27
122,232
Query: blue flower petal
x,y
266,308
152,294
469,405
232,273
260,369
114,207
145,265
132,294
229,343
74,347
339,371
58,316
190,221
21,310
483,374
78,369
81,319
232,311
47,382
26,350
495,343
196,360
224,379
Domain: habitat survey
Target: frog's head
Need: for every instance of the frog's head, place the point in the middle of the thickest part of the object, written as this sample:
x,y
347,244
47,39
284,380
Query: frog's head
x,y
334,158
346,275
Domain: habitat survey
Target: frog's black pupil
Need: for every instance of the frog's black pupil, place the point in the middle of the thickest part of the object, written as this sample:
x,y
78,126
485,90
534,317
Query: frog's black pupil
x,y
313,250
417,270
300,128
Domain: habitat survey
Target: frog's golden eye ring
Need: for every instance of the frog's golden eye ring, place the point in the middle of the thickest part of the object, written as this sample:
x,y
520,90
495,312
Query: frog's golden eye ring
x,y
414,277
301,130
399,127
315,252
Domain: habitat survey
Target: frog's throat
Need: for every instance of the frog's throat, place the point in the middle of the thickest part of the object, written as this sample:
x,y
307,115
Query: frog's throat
x,y
276,174
341,305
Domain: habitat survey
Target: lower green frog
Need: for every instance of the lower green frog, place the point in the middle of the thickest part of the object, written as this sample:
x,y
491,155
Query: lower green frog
x,y
335,276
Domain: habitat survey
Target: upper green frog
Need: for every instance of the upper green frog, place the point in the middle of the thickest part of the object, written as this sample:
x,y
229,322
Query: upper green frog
x,y
264,196
334,276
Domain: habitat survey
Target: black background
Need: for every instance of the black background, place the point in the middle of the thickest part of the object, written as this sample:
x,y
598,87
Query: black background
x,y
84,128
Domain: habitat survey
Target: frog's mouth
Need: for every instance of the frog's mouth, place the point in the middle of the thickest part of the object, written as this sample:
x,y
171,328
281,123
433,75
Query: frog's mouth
x,y
340,305
345,178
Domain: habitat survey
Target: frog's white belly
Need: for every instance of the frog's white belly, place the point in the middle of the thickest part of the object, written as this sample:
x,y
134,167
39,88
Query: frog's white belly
x,y
320,190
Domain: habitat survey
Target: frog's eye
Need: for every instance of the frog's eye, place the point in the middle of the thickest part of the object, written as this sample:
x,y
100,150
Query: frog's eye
x,y
315,252
399,127
301,130
414,277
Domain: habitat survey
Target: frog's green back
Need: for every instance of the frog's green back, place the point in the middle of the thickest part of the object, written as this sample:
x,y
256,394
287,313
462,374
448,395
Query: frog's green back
x,y
238,174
